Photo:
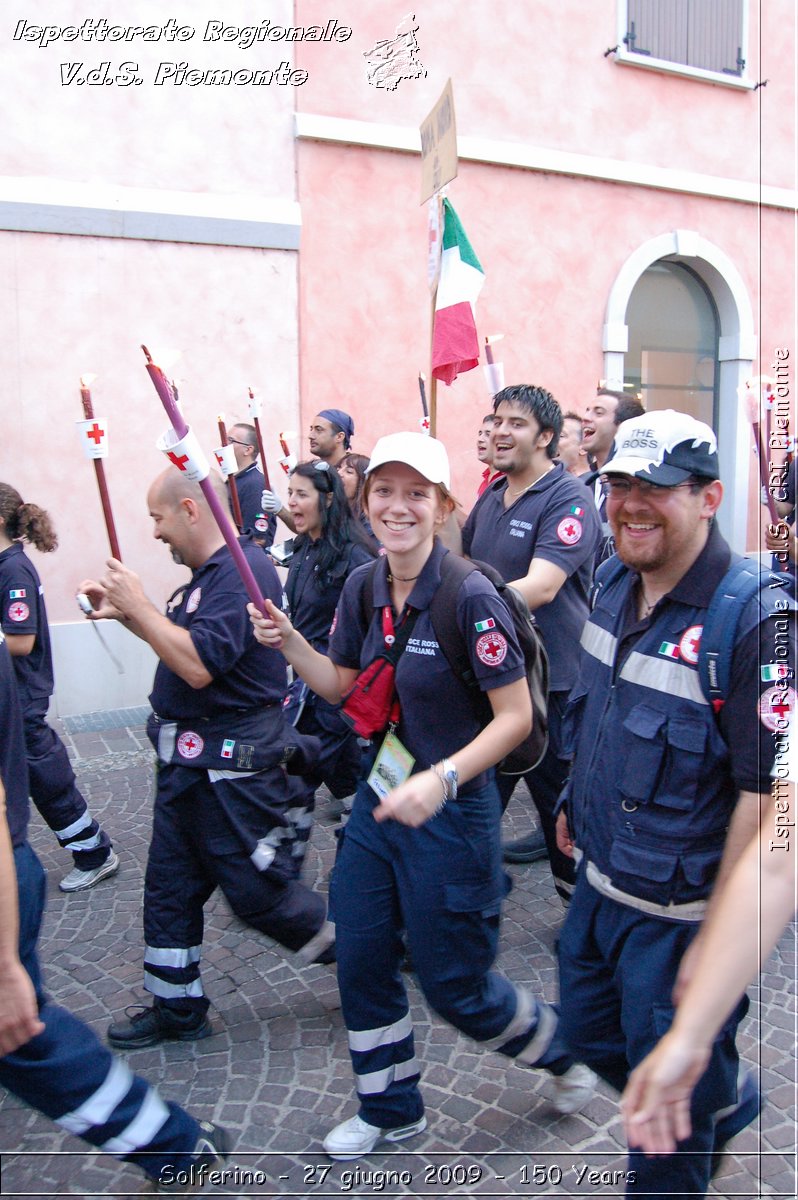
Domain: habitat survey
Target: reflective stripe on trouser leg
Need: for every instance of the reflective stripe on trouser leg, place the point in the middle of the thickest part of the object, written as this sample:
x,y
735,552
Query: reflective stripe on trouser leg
x,y
55,793
172,973
383,1056
70,1076
83,834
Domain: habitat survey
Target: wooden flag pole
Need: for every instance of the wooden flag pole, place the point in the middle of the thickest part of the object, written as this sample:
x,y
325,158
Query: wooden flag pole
x,y
230,481
102,486
433,382
256,422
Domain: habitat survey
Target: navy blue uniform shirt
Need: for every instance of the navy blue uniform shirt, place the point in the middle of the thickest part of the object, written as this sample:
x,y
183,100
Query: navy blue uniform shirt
x,y
23,613
556,521
751,694
249,486
213,607
311,602
13,762
437,712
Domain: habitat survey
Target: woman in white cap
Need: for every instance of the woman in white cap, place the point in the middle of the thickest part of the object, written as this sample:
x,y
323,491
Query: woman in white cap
x,y
421,852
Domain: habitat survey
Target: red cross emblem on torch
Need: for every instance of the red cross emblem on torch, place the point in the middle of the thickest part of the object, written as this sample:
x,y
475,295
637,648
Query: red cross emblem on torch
x,y
178,460
96,433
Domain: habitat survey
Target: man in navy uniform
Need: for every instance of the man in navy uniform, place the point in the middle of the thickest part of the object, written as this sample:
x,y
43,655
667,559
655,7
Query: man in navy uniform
x,y
666,788
537,527
250,484
223,809
50,1059
330,438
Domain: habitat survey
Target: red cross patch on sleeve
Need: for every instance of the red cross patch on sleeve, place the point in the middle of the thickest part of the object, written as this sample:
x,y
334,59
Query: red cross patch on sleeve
x,y
569,531
776,706
491,649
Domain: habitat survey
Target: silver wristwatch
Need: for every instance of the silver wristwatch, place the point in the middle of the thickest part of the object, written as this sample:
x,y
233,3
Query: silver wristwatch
x,y
448,775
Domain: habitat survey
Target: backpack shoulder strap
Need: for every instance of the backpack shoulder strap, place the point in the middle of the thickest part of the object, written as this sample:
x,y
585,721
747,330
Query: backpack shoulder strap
x,y
607,573
743,580
367,594
443,613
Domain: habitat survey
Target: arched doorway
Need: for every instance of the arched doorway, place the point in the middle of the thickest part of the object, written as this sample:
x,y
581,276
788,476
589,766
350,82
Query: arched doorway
x,y
711,286
672,360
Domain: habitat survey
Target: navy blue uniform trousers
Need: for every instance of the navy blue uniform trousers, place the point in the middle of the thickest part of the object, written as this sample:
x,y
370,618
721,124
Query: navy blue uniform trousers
x,y
196,848
443,884
617,970
69,1075
55,793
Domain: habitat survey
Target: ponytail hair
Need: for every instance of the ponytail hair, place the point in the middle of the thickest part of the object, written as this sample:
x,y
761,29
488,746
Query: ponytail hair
x,y
26,522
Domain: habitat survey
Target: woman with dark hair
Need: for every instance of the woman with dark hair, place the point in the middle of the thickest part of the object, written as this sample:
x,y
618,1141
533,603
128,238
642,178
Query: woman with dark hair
x,y
352,468
421,851
23,619
328,546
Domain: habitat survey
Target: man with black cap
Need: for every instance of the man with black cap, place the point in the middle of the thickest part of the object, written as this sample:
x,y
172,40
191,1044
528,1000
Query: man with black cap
x,y
666,788
331,433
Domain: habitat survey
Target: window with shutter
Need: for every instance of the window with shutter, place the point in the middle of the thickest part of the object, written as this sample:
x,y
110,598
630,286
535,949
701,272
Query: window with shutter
x,y
705,34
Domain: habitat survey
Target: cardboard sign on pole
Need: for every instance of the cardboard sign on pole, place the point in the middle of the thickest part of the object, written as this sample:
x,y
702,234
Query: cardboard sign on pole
x,y
439,146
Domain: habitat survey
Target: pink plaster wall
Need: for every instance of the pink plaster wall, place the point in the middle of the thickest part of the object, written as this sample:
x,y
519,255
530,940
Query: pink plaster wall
x,y
194,139
536,73
551,247
72,305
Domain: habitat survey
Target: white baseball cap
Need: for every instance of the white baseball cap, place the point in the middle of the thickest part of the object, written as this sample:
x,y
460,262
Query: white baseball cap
x,y
666,447
417,450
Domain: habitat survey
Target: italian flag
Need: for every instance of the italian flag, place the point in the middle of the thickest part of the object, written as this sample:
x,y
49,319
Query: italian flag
x,y
455,346
669,650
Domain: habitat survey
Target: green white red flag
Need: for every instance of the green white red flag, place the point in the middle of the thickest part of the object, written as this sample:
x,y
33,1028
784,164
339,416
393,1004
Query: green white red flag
x,y
455,346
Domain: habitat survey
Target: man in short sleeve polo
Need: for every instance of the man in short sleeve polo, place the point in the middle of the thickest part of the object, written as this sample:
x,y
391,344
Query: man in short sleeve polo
x,y
539,530
224,808
667,786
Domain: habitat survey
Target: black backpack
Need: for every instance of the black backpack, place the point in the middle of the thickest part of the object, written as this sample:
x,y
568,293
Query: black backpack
x,y
443,613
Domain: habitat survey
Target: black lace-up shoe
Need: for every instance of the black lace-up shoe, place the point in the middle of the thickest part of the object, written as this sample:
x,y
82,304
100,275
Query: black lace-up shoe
x,y
145,1026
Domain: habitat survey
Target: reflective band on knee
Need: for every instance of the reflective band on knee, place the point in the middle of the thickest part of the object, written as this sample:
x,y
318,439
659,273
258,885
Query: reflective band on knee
x,y
98,1108
379,1081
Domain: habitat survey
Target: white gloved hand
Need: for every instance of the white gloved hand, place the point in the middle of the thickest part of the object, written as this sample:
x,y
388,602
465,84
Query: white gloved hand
x,y
270,501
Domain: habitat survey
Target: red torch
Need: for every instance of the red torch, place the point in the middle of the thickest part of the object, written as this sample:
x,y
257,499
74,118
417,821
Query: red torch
x,y
94,436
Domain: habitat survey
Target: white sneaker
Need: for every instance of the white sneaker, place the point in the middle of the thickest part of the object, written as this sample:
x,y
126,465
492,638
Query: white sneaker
x,y
573,1089
78,881
355,1137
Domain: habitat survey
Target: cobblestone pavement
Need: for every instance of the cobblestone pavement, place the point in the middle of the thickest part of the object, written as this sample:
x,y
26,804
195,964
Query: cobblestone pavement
x,y
277,1074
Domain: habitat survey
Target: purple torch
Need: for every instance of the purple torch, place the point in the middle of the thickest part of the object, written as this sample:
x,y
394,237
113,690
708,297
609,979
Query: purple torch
x,y
181,460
